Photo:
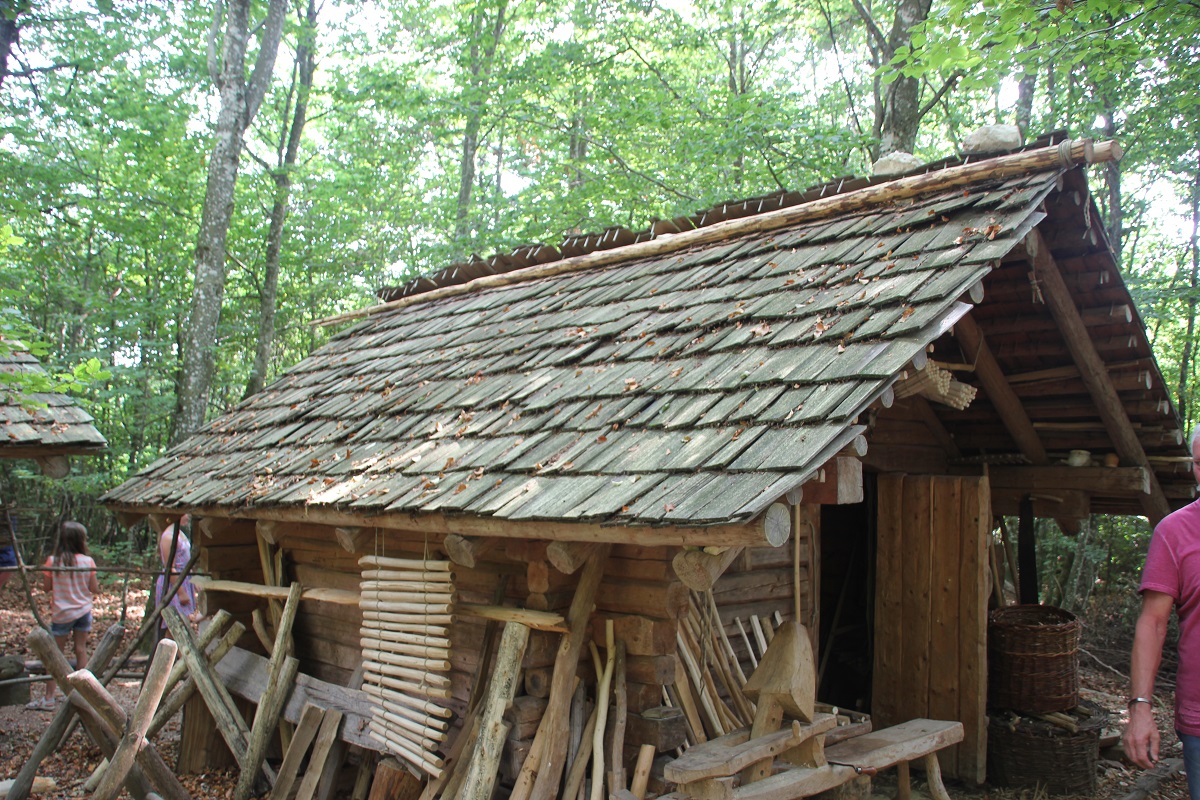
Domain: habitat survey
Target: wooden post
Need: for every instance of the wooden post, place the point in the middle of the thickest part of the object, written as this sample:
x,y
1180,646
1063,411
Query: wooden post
x,y
23,782
699,570
621,718
481,773
539,778
1027,553
178,698
143,713
306,730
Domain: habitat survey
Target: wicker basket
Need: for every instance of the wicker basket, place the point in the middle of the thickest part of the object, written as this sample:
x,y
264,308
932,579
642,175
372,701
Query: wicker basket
x,y
1025,752
1033,659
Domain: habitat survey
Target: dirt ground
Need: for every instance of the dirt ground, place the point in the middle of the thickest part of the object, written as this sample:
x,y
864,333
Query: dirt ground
x,y
1104,657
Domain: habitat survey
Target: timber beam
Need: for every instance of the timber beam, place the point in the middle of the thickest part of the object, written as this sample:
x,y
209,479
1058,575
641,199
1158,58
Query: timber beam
x,y
764,530
838,482
1114,481
1061,504
999,391
1093,371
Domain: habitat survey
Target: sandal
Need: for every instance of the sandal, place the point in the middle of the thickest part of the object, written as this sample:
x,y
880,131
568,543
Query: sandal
x,y
42,704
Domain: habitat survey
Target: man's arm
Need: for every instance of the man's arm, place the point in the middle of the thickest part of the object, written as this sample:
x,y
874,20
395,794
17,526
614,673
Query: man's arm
x,y
1141,737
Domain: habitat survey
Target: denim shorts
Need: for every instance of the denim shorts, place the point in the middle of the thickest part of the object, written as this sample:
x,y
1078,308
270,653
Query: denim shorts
x,y
84,624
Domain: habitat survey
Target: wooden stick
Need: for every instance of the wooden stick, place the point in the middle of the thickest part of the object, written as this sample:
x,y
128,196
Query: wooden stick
x,y
410,576
281,672
372,645
408,619
415,703
604,675
414,753
538,620
411,631
418,564
409,643
641,772
413,607
258,621
104,738
143,713
688,702
539,779
482,771
408,584
621,707
579,766
23,781
746,638
176,700
431,685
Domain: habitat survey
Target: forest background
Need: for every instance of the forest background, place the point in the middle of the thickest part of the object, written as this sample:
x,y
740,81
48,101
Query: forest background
x,y
186,187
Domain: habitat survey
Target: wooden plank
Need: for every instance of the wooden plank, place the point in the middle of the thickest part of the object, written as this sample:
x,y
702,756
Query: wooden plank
x,y
889,596
244,674
310,720
946,615
972,660
889,746
729,754
327,734
916,561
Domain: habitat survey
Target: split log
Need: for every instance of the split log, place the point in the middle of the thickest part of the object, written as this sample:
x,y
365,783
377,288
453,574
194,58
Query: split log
x,y
302,737
481,773
327,734
393,782
621,710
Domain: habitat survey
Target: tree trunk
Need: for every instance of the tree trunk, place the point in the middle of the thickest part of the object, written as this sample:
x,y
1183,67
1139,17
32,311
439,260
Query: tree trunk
x,y
481,70
1025,92
10,31
901,107
305,66
1185,358
239,102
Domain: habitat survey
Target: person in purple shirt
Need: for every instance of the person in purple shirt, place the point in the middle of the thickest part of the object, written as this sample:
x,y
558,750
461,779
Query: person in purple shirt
x,y
1170,579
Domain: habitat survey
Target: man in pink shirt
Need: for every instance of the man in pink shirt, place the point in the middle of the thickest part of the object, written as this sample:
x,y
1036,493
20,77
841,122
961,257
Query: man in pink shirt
x,y
1171,579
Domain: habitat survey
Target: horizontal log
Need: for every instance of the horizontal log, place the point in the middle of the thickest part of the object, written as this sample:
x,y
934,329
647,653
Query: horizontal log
x,y
1097,480
274,592
755,532
1060,503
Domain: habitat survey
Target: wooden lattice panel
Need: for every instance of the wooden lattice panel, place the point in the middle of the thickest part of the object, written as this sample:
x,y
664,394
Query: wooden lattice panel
x,y
406,606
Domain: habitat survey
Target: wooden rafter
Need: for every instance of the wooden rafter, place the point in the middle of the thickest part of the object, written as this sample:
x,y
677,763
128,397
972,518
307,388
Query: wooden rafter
x,y
1005,401
1093,371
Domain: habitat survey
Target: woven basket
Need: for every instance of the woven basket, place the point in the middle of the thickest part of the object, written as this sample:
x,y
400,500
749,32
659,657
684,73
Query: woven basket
x,y
1033,659
1026,752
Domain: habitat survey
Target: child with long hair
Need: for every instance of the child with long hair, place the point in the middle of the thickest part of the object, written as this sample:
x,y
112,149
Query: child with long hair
x,y
71,582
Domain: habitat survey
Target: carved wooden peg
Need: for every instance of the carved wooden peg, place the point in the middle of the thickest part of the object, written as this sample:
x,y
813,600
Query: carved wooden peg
x,y
354,540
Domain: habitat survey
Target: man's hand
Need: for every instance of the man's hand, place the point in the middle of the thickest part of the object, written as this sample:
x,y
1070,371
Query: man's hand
x,y
1141,737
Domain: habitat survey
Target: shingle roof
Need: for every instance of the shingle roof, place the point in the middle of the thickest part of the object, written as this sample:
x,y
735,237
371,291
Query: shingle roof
x,y
41,423
689,388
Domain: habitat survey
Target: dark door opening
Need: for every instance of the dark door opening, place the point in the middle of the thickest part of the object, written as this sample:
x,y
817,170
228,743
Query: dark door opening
x,y
846,655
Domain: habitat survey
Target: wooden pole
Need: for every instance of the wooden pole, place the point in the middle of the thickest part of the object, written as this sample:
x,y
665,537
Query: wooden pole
x,y
143,713
641,772
539,779
604,682
579,766
484,766
1063,156
16,545
23,782
621,711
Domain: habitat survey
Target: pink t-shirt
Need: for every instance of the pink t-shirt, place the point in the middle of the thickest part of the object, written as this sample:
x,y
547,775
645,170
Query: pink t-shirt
x,y
72,596
1173,568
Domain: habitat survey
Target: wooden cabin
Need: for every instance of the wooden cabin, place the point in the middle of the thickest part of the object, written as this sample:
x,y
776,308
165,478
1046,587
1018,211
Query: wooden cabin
x,y
47,427
814,403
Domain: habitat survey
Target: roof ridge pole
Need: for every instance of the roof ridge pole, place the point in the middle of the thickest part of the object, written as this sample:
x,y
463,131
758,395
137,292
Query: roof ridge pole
x,y
1092,370
1068,154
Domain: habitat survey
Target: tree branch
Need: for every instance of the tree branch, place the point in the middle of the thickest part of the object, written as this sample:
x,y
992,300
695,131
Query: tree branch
x,y
837,55
260,79
933,101
881,41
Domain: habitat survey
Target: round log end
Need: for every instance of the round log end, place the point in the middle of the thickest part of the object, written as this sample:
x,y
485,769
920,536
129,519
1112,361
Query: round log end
x,y
777,524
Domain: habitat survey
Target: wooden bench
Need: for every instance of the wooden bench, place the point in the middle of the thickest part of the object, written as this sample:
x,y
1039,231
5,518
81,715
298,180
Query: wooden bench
x,y
709,771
